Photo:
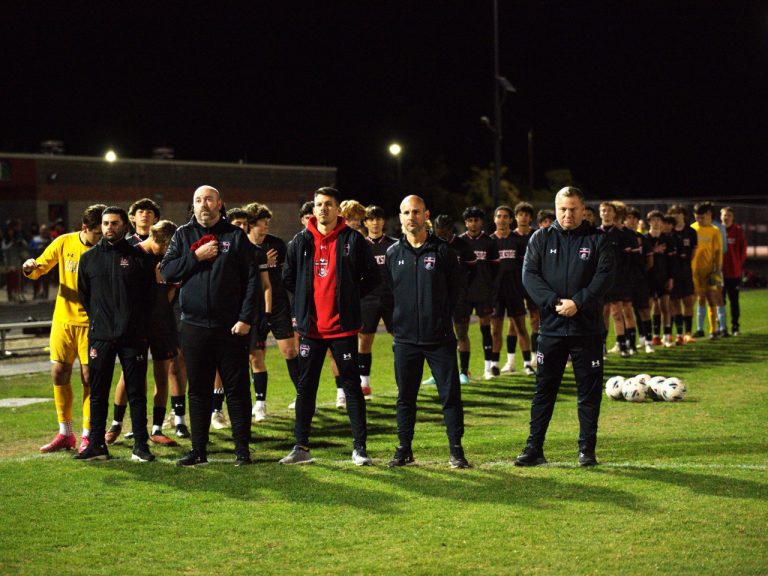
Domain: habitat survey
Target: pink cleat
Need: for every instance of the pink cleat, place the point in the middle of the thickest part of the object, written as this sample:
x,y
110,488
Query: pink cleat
x,y
84,442
60,442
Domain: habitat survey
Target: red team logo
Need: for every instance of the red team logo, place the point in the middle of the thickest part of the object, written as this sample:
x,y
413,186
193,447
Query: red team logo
x,y
429,262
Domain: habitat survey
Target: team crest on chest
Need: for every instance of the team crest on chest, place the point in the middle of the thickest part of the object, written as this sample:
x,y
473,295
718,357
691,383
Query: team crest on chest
x,y
322,267
225,246
124,262
429,262
584,253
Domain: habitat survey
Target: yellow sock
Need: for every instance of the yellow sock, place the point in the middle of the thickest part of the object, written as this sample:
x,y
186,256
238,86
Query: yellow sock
x,y
712,315
86,407
62,397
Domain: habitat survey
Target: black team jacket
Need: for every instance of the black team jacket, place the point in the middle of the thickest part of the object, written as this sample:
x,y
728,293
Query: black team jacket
x,y
574,264
356,276
429,284
116,286
218,293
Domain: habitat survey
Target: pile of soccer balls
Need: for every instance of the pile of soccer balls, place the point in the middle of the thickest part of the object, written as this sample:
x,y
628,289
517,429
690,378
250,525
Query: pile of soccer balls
x,y
643,386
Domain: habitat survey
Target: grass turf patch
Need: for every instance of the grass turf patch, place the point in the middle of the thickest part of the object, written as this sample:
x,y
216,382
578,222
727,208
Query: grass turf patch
x,y
682,487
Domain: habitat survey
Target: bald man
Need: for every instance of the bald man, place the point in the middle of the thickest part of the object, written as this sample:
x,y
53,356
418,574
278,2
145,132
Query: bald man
x,y
221,298
428,284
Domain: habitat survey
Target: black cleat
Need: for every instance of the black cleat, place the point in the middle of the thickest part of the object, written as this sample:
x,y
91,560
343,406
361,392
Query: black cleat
x,y
193,459
402,457
457,459
698,334
243,459
587,458
141,453
93,452
495,371
182,431
531,457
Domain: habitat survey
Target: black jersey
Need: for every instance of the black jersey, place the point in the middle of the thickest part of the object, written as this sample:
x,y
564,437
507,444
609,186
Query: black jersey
x,y
511,255
163,316
270,242
136,239
487,253
639,256
379,250
686,246
664,249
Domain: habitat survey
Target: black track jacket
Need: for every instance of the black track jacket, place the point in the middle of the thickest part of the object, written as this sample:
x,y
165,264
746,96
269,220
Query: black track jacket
x,y
116,286
574,264
218,293
428,283
356,275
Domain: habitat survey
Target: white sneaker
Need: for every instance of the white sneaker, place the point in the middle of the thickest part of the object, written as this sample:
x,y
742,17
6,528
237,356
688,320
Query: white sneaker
x,y
429,381
508,368
292,405
259,411
649,348
528,370
219,420
488,375
341,398
668,343
615,350
360,457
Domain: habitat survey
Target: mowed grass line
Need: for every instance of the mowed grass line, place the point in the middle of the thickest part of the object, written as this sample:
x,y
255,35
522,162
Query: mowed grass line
x,y
682,490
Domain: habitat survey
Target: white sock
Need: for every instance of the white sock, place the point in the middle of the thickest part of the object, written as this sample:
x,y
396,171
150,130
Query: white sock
x,y
86,432
178,419
365,380
487,365
116,423
156,429
511,359
65,428
494,364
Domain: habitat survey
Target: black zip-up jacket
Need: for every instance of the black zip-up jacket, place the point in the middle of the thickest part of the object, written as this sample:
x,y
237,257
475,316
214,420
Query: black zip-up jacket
x,y
429,283
356,276
573,264
116,286
218,293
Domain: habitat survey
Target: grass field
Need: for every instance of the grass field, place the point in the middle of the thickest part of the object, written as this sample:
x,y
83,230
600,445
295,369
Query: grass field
x,y
682,488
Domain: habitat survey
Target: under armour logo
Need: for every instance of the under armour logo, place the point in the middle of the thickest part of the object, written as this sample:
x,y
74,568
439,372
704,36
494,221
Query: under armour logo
x,y
400,262
347,356
553,250
595,363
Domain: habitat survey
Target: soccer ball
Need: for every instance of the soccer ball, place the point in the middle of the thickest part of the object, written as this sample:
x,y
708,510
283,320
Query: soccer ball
x,y
642,378
634,391
654,387
613,387
673,390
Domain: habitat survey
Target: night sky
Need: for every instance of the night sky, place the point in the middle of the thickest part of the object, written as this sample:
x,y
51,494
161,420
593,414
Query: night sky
x,y
638,99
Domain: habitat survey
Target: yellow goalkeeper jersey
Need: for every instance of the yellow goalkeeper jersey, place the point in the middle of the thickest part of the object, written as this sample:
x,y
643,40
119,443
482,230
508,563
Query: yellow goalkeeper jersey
x,y
709,248
65,250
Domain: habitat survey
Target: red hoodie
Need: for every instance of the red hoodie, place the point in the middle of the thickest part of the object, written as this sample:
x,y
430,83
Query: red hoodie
x,y
325,316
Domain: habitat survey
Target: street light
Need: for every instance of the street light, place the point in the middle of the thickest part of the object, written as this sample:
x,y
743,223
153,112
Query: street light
x,y
396,150
110,156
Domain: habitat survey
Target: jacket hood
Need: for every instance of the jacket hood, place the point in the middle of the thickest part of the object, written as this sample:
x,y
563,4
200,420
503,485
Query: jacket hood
x,y
341,223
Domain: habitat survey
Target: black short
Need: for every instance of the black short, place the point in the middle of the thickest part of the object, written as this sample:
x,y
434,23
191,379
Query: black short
x,y
683,285
657,289
282,321
619,292
511,304
374,309
480,308
164,346
640,295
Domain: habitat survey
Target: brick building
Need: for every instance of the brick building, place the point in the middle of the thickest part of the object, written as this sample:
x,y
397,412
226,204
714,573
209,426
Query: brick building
x,y
43,188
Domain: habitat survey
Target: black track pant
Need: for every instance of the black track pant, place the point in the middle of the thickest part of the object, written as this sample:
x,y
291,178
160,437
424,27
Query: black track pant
x,y
101,367
311,357
732,288
587,355
409,366
207,350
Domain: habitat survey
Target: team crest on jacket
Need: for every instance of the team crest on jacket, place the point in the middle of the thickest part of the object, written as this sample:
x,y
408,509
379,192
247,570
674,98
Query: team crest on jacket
x,y
225,246
429,262
584,253
93,353
346,249
304,350
124,262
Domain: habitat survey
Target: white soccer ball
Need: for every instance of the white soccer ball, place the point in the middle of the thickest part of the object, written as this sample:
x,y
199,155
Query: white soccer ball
x,y
613,387
673,390
654,387
643,378
634,391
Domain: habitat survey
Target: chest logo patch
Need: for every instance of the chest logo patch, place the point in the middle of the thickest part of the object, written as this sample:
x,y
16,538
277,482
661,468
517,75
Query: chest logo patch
x,y
584,253
225,246
429,262
124,262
